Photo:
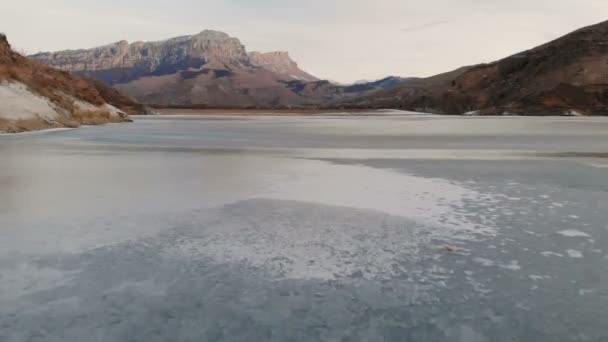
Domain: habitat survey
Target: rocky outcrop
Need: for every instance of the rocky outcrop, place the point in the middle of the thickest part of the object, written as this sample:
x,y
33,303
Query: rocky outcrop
x,y
281,63
206,70
36,96
209,69
565,76
122,62
6,53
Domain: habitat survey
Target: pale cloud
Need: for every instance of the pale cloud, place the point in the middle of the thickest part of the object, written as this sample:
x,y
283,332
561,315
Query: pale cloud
x,y
344,40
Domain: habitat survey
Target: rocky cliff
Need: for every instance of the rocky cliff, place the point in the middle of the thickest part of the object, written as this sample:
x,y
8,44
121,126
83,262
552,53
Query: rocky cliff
x,y
122,62
281,63
209,69
36,96
206,70
565,76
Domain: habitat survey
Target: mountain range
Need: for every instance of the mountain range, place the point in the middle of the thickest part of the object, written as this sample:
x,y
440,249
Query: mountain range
x,y
212,69
566,76
208,69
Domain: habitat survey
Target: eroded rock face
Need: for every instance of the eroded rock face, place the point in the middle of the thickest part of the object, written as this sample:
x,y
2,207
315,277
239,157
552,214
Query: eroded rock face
x,y
6,54
4,44
281,63
122,62
207,69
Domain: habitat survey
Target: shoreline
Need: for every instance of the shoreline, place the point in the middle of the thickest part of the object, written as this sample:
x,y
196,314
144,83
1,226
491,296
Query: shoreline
x,y
268,112
344,112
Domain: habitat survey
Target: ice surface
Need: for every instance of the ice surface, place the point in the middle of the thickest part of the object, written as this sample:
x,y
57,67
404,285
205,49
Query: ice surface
x,y
385,228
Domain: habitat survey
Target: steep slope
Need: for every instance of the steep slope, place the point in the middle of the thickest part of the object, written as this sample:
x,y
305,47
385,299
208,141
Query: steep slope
x,y
122,62
566,76
35,96
209,69
117,99
206,70
281,63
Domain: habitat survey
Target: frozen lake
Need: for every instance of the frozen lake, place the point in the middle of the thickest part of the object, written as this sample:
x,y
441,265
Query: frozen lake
x,y
328,228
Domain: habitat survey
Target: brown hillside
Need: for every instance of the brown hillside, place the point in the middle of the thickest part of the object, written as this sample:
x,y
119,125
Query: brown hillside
x,y
567,75
77,101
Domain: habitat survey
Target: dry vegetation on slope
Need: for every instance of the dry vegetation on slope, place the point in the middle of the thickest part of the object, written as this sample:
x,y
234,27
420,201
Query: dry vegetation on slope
x,y
117,99
62,100
566,76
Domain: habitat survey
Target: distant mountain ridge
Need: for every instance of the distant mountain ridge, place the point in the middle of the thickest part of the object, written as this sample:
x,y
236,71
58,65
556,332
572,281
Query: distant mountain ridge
x,y
206,69
384,83
122,62
566,76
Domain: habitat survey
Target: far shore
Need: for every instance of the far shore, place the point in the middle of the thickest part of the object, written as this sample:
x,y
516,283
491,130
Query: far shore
x,y
343,112
277,112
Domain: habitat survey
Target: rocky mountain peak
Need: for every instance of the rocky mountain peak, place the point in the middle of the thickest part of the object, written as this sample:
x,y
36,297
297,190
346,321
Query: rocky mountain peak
x,y
281,63
218,48
206,68
211,35
122,62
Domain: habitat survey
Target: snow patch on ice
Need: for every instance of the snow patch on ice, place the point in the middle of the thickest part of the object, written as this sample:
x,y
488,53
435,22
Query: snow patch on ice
x,y
552,254
512,266
575,254
573,112
536,277
484,262
573,233
320,220
432,201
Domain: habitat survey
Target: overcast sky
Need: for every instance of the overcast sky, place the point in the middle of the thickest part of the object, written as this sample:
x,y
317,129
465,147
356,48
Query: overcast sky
x,y
341,40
